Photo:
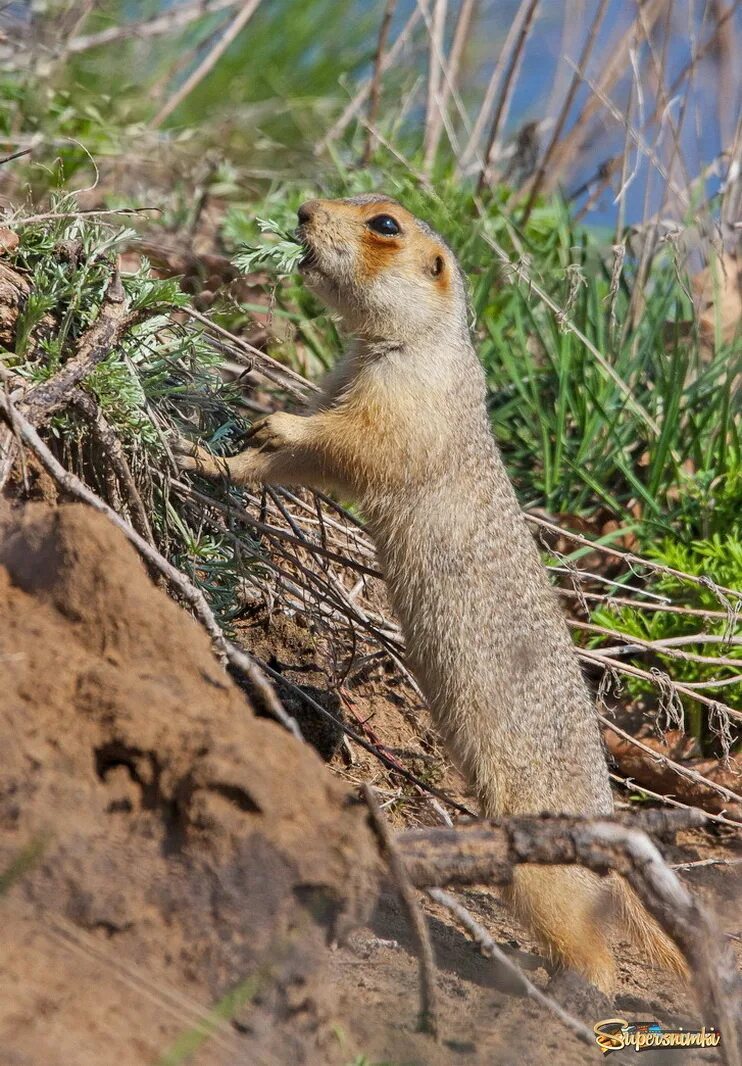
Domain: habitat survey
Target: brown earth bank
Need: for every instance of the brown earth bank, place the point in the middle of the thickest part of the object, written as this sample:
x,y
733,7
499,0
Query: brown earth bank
x,y
166,847
177,875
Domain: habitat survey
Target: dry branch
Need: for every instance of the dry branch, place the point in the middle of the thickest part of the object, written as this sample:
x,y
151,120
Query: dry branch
x,y
506,93
247,354
608,167
355,105
434,104
373,749
587,48
612,70
458,45
95,344
487,852
471,148
643,762
173,19
209,61
375,89
114,453
428,993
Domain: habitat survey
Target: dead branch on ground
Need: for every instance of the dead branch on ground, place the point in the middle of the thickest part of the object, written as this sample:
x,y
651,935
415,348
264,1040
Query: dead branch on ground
x,y
487,852
428,992
490,949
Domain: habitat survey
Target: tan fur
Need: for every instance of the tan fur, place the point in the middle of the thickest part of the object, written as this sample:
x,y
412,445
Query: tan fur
x,y
402,428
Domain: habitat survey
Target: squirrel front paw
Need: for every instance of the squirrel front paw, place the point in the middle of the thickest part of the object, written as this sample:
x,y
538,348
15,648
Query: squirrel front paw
x,y
277,431
191,456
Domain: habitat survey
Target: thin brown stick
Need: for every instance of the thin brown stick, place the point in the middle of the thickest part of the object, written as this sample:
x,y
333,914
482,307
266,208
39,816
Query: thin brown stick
x,y
680,770
630,785
53,216
349,113
434,101
276,372
640,605
487,852
275,531
374,95
175,18
490,949
630,559
94,345
612,69
15,155
207,64
634,645
608,167
429,1021
460,40
115,454
503,104
471,149
564,111
373,749
704,862
608,663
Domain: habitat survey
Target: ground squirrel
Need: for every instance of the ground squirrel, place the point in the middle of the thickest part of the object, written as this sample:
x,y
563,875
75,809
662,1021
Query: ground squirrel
x,y
402,428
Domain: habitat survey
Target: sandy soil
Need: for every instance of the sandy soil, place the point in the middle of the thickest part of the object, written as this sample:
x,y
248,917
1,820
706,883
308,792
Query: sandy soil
x,y
164,845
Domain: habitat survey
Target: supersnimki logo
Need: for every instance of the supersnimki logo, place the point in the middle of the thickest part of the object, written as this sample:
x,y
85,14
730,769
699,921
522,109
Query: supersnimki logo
x,y
612,1034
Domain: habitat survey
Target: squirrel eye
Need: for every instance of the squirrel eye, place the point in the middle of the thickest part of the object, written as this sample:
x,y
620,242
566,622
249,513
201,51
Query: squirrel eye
x,y
437,268
385,225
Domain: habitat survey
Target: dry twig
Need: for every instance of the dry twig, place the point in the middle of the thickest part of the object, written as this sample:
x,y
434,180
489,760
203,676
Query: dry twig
x,y
374,95
209,61
428,993
489,948
506,92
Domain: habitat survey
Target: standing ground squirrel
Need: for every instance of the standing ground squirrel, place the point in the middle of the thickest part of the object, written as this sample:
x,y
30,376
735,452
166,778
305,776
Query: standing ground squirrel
x,y
401,427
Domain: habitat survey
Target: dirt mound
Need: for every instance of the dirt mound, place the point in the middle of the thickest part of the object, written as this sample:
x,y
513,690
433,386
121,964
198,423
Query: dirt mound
x,y
161,849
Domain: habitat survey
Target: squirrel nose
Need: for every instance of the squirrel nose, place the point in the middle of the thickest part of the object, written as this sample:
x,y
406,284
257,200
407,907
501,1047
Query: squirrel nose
x,y
306,212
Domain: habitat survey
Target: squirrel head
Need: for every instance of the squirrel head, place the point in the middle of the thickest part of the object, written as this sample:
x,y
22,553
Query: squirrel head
x,y
391,278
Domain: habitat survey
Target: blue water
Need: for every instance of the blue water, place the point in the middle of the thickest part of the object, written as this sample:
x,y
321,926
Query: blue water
x,y
704,131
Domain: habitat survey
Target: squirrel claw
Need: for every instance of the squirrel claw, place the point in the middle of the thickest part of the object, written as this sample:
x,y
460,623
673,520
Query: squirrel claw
x,y
182,446
190,456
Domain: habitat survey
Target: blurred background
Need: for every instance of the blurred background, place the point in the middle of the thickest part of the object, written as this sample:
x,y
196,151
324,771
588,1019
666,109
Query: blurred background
x,y
608,97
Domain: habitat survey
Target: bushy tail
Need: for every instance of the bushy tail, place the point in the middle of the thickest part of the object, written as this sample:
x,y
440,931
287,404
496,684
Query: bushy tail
x,y
654,944
571,911
565,908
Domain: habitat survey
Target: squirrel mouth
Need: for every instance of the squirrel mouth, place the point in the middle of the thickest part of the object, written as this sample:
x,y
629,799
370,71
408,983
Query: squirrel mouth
x,y
308,261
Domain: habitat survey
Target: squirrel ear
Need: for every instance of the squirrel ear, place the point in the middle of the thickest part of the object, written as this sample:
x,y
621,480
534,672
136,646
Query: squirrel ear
x,y
436,267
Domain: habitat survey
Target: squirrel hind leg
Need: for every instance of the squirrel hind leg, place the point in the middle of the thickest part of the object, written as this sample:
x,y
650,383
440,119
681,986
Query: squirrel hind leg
x,y
562,907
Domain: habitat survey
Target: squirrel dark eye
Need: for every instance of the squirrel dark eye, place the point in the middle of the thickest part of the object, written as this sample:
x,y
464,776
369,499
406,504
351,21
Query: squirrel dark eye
x,y
437,268
385,225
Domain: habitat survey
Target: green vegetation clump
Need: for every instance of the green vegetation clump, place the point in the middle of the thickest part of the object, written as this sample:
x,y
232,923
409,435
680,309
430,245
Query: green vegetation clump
x,y
717,640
